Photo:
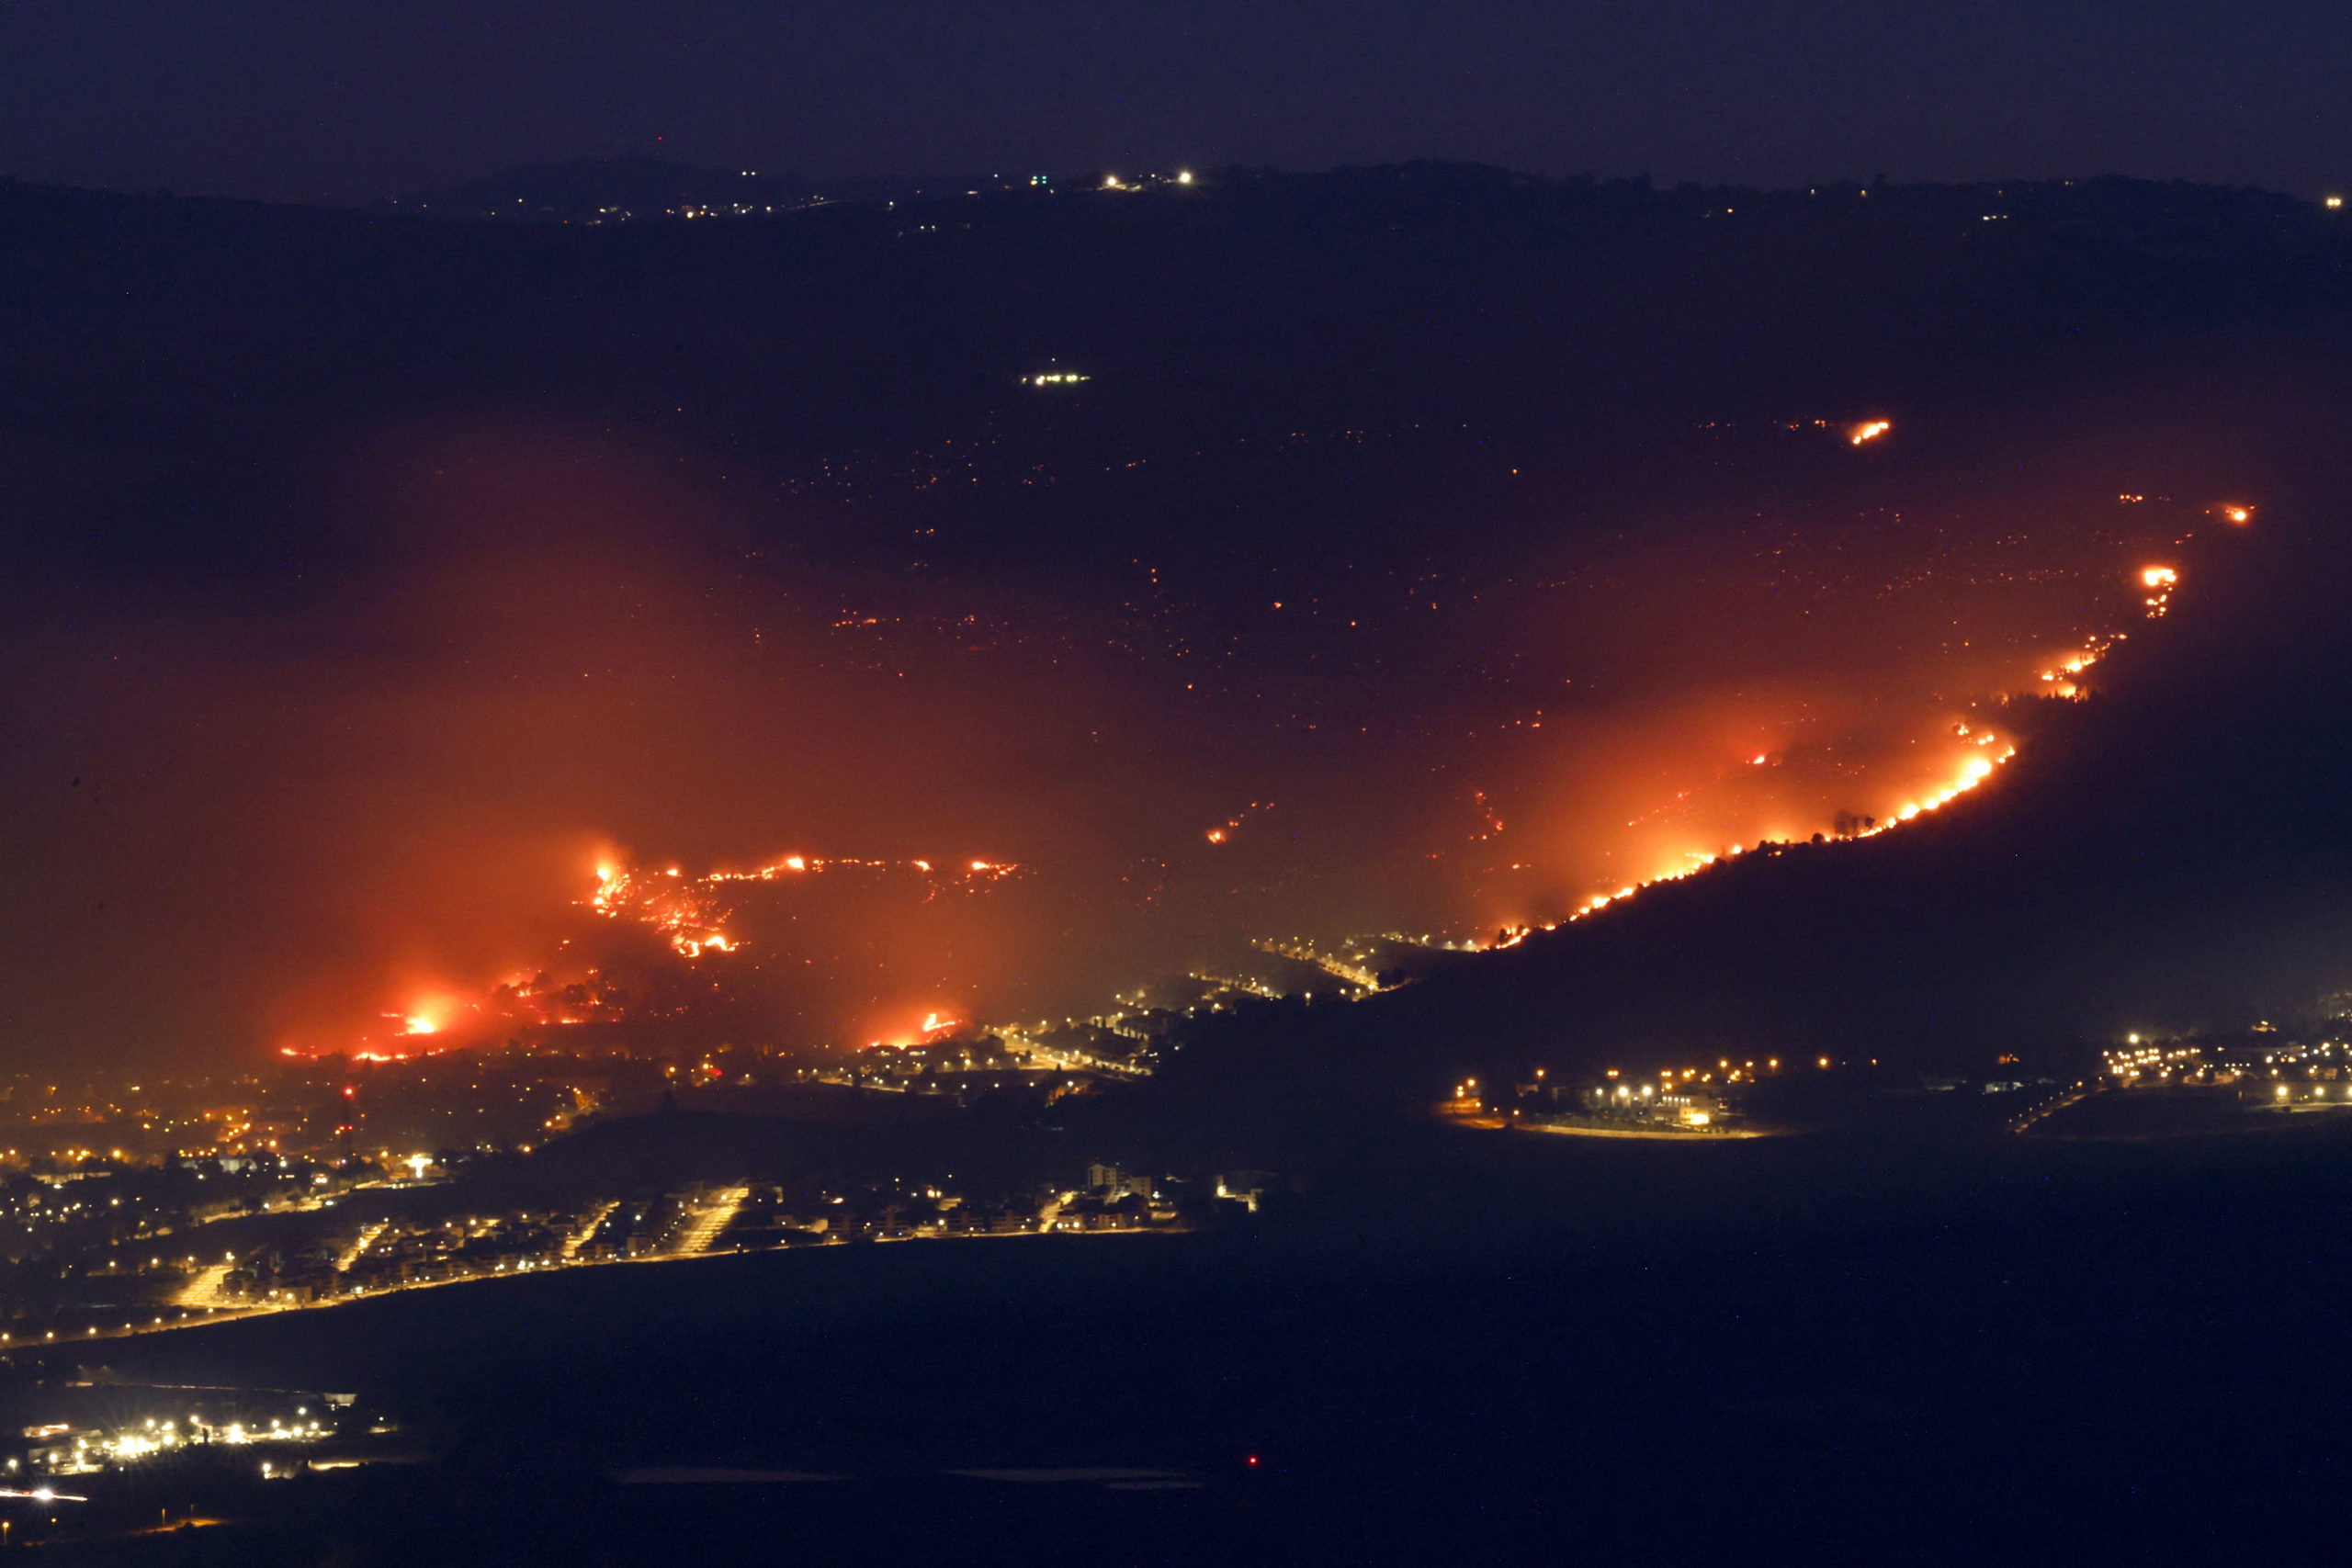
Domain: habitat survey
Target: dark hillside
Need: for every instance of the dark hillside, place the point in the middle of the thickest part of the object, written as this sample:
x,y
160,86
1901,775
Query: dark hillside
x,y
174,356
2171,854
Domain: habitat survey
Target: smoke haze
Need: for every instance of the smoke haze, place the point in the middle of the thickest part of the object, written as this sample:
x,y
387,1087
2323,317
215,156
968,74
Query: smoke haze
x,y
333,730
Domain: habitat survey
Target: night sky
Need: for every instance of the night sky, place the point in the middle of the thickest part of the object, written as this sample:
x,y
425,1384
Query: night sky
x,y
353,101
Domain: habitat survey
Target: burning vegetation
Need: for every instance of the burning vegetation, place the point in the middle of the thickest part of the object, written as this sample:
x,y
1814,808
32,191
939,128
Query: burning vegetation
x,y
1505,647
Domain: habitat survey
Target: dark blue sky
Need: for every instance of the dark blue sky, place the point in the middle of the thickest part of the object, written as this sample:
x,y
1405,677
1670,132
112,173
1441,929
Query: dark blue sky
x,y
351,99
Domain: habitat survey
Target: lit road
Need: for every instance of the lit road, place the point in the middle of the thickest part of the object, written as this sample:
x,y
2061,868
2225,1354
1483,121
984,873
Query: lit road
x,y
710,1220
204,1296
203,1291
579,1238
2074,1096
359,1246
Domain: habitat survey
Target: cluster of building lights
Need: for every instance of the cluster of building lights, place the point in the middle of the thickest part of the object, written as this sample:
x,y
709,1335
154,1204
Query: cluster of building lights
x,y
1669,1079
2298,1073
96,1450
1113,182
2137,1058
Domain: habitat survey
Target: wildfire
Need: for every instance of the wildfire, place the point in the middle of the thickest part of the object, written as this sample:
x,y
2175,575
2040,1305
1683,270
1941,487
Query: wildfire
x,y
1971,773
933,1027
1868,430
422,1017
689,913
795,864
2055,679
426,1017
1985,754
2158,580
686,913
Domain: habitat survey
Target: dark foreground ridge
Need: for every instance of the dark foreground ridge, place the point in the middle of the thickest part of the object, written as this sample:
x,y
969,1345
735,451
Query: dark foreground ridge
x,y
1923,1351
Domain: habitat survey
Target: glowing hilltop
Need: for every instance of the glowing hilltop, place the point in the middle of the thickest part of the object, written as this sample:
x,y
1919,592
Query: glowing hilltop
x,y
689,913
2059,681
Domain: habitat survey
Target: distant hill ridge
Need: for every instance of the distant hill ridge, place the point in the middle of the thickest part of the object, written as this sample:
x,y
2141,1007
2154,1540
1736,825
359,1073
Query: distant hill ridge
x,y
620,190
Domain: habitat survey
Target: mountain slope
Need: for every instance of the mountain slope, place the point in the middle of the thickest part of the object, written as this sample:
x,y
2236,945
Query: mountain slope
x,y
2175,852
